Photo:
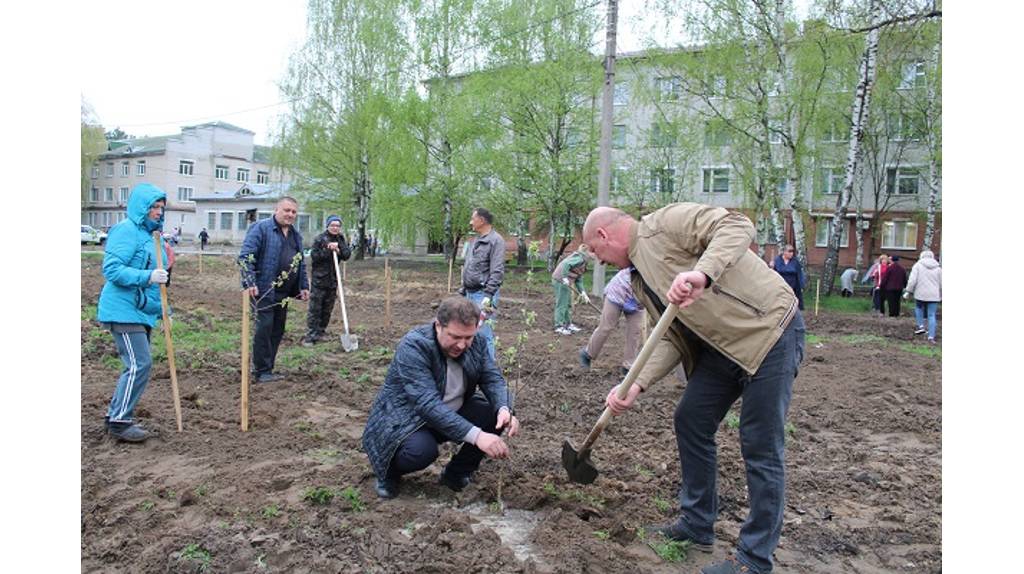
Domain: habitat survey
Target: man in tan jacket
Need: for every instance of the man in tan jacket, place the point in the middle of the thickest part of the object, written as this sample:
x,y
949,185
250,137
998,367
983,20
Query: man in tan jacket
x,y
738,333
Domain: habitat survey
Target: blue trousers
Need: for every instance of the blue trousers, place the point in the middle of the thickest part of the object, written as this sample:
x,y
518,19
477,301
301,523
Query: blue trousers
x,y
134,351
929,308
487,329
714,386
420,449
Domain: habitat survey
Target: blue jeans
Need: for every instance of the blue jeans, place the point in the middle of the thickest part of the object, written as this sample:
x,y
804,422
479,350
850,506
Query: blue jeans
x,y
716,383
930,308
419,450
134,351
487,329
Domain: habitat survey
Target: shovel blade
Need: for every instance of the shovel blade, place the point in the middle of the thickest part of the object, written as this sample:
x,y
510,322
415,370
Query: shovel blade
x,y
349,343
581,470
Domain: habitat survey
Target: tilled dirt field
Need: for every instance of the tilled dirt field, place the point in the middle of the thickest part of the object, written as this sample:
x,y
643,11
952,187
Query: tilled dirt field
x,y
863,457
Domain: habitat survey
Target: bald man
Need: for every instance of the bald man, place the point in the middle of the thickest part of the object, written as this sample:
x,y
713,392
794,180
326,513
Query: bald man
x,y
738,334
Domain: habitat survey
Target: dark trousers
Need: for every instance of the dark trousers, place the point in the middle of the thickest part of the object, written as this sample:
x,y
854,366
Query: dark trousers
x,y
270,322
420,449
321,303
892,299
876,300
716,383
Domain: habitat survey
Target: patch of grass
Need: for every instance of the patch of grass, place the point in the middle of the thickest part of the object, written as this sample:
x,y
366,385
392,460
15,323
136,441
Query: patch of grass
x,y
813,339
352,496
836,303
550,489
92,255
318,495
110,362
643,471
325,455
564,407
669,550
861,339
297,356
789,429
196,553
602,534
923,350
147,505
270,511
200,490
88,312
662,505
732,420
577,495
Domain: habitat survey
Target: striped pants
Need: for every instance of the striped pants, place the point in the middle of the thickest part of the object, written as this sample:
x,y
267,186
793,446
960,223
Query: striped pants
x,y
133,348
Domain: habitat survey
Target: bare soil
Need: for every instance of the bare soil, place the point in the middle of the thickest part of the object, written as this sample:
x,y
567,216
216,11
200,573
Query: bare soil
x,y
863,458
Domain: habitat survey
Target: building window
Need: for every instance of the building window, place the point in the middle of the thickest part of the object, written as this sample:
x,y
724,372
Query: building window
x,y
185,193
126,169
913,76
905,127
140,168
106,219
186,167
717,85
92,218
211,220
94,195
824,230
618,183
832,180
226,220
899,235
573,137
716,180
837,131
261,215
221,172
95,171
670,88
621,95
902,181
303,222
241,221
108,194
716,135
662,135
619,136
663,181
774,132
242,174
110,169
262,177
124,195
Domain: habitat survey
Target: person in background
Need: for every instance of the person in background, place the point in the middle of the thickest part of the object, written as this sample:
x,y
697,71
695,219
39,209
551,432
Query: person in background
x,y
618,301
203,238
484,271
925,285
130,303
569,271
325,281
429,397
893,283
792,272
846,281
877,273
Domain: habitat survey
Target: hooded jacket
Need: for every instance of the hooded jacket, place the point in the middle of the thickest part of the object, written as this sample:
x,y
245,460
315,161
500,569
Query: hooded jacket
x,y
925,282
742,312
128,260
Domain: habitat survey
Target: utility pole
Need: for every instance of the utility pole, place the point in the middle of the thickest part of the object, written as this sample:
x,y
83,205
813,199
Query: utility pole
x,y
605,158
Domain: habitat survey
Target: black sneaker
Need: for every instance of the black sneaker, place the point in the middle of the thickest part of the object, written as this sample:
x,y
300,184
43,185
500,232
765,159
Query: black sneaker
x,y
455,482
127,432
387,488
728,566
676,532
919,331
584,358
268,378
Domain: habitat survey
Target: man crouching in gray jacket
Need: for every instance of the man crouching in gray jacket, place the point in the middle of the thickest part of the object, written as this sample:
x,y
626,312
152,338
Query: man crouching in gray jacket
x,y
429,397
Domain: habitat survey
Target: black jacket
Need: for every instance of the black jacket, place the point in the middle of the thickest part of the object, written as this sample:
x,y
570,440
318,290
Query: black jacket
x,y
323,262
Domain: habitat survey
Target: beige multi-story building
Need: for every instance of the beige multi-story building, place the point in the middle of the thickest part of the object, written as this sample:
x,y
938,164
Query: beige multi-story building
x,y
214,175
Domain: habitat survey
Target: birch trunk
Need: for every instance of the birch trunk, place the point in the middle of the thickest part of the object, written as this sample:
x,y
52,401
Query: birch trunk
x,y
934,145
861,101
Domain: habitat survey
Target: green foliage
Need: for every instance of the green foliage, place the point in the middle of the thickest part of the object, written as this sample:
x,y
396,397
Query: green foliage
x,y
863,338
147,505
112,362
319,495
196,553
602,534
839,304
270,511
926,350
810,339
732,420
662,505
669,550
200,491
352,496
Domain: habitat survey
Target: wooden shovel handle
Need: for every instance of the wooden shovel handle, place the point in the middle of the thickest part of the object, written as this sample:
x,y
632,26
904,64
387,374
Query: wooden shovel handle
x,y
158,248
652,341
341,291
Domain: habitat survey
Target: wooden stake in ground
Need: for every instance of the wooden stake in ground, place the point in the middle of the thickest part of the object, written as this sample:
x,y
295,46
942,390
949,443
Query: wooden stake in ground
x,y
344,271
451,267
245,360
387,294
817,296
200,262
167,329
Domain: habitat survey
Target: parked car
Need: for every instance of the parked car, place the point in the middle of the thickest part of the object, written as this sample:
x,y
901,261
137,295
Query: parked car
x,y
93,235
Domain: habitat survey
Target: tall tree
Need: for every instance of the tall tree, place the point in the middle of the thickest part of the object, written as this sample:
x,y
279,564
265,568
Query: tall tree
x,y
93,144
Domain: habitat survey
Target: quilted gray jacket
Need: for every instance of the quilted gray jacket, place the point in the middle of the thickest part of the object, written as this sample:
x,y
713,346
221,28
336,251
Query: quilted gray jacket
x,y
413,391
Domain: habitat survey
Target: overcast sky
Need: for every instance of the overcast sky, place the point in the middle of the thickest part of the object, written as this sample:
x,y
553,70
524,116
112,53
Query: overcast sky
x,y
166,65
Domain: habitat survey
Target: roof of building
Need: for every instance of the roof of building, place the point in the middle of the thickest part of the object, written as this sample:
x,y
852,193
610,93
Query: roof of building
x,y
136,146
218,124
247,192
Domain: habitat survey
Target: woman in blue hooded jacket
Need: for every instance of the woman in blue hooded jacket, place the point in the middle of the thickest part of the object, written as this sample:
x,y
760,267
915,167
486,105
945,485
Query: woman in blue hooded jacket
x,y
130,302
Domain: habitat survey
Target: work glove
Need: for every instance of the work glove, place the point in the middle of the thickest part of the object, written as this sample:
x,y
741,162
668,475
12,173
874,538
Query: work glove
x,y
565,280
906,295
158,276
486,304
583,298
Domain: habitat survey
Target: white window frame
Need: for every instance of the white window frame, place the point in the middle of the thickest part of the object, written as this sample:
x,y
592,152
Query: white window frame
x,y
108,194
239,172
826,222
618,180
222,172
620,96
94,194
658,178
902,173
708,186
95,171
828,179
140,168
305,217
662,136
619,136
669,88
110,169
123,195
228,218
211,220
92,219
240,222
126,169
262,177
185,193
912,75
889,234
775,132
261,215
186,167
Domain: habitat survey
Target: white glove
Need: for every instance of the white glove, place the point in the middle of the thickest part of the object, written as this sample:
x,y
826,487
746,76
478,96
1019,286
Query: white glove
x,y
906,295
158,276
486,304
583,298
566,281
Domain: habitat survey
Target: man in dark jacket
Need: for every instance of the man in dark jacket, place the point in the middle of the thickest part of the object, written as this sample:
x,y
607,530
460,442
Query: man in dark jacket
x,y
429,397
484,271
325,282
203,238
893,283
272,270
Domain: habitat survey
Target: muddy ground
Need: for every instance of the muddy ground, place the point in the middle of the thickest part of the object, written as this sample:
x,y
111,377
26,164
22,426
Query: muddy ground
x,y
863,457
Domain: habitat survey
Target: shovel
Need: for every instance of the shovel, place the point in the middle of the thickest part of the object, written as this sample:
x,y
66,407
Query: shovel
x,y
577,293
577,461
348,342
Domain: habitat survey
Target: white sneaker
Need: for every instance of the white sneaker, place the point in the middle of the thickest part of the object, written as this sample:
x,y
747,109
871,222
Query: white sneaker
x,y
919,331
563,331
574,328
